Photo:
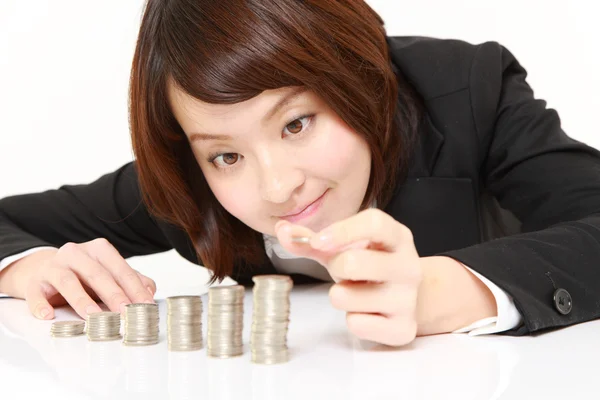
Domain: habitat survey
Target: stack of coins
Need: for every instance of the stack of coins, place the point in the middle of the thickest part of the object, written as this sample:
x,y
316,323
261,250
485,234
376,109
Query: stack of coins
x,y
225,321
184,323
67,328
270,318
103,326
141,324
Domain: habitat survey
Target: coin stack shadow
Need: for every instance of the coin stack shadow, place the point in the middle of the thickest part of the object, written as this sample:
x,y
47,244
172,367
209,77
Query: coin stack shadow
x,y
184,323
103,326
270,319
141,324
225,321
67,328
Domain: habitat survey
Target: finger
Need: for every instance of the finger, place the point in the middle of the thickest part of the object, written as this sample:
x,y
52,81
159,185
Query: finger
x,y
94,274
285,231
37,302
125,276
375,225
377,328
92,294
148,283
370,297
67,283
370,265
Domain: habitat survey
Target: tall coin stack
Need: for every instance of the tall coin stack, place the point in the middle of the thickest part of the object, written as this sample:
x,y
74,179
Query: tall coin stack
x,y
67,328
270,319
225,321
141,324
103,326
184,323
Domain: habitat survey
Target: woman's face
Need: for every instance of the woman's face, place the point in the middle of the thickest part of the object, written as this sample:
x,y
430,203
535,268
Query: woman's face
x,y
281,155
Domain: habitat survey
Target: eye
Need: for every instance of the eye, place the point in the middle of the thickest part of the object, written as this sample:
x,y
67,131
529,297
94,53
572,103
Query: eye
x,y
225,160
298,125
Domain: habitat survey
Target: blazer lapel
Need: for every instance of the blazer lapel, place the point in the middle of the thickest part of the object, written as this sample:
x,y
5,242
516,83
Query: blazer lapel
x,y
427,149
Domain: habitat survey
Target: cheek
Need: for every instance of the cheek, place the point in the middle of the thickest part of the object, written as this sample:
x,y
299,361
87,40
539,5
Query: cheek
x,y
227,193
342,153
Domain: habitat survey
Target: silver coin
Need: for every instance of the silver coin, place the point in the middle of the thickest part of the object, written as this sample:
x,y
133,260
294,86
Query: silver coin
x,y
225,321
141,327
103,326
301,239
67,328
184,323
270,319
278,357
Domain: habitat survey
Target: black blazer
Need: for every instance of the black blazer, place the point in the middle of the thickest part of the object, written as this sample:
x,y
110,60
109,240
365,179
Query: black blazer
x,y
495,183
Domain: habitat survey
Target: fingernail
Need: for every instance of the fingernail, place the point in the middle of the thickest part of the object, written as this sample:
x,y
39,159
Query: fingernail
x,y
150,291
323,241
91,309
44,312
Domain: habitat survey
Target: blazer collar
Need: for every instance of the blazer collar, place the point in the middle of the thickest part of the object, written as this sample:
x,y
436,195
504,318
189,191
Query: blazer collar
x,y
429,140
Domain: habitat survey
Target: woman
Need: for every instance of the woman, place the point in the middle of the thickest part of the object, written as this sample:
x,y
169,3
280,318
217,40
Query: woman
x,y
436,191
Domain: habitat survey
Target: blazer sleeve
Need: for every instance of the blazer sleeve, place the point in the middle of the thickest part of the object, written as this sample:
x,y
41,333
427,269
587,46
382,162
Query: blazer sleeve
x,y
110,208
551,183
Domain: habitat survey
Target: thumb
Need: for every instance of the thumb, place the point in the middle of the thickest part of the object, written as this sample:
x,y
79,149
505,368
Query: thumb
x,y
285,231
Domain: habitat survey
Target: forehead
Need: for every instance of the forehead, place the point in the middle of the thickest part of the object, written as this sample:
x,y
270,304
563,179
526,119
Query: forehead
x,y
184,105
195,115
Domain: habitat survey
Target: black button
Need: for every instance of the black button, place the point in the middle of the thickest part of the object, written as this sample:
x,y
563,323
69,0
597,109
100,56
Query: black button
x,y
563,301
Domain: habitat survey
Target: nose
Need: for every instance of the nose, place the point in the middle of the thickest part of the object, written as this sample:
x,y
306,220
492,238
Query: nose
x,y
279,177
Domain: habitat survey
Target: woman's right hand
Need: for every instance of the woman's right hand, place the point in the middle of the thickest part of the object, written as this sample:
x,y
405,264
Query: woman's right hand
x,y
77,274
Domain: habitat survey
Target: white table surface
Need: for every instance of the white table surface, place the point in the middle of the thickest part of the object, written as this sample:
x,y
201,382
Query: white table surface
x,y
326,363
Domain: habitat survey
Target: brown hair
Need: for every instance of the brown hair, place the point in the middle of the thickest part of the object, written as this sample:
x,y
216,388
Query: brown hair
x,y
229,51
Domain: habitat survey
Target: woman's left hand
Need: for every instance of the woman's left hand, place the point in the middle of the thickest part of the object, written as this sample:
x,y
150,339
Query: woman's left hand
x,y
373,259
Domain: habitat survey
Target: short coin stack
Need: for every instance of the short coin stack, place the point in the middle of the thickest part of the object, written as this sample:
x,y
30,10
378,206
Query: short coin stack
x,y
270,319
225,321
103,326
184,323
141,324
67,328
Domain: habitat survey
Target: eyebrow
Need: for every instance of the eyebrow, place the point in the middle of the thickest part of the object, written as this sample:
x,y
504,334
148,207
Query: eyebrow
x,y
283,102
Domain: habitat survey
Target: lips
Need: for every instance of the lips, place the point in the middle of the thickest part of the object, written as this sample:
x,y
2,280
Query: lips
x,y
306,211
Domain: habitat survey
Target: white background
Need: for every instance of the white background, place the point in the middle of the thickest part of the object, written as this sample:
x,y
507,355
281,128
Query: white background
x,y
64,68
